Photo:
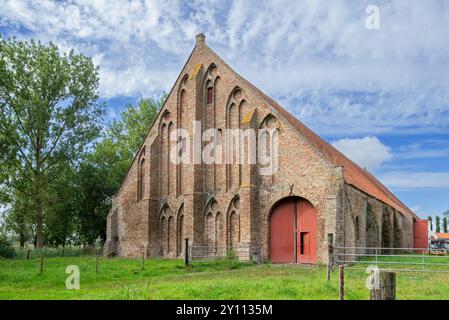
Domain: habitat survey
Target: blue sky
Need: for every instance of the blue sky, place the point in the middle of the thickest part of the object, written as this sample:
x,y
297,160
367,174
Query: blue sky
x,y
381,96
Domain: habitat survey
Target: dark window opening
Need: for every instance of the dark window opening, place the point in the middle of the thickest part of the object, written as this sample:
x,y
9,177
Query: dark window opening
x,y
210,95
357,229
302,245
184,145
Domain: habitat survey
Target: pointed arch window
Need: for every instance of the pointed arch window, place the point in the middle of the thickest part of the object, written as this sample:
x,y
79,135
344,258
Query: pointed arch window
x,y
210,80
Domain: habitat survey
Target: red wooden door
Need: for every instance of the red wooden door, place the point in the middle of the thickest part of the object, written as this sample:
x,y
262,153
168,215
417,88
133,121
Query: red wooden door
x,y
282,233
306,232
293,229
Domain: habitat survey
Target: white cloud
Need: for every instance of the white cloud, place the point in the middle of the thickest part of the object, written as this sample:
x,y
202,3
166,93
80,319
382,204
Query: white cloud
x,y
415,180
367,152
139,45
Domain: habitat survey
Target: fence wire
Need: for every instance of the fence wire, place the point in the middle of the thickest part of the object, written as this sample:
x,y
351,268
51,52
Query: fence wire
x,y
223,253
421,273
48,252
392,259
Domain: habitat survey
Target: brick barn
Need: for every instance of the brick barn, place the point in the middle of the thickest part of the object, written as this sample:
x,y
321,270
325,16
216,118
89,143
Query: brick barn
x,y
285,217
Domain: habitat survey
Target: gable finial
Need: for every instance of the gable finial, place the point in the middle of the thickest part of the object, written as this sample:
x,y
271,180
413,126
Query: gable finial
x,y
200,39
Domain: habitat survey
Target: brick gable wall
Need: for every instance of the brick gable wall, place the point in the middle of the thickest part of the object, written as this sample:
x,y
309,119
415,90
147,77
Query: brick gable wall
x,y
222,205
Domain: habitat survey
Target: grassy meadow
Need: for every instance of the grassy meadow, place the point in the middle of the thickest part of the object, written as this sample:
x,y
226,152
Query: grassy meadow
x,y
169,279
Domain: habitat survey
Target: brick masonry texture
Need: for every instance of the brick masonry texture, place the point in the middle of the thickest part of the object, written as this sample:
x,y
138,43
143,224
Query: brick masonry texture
x,y
159,203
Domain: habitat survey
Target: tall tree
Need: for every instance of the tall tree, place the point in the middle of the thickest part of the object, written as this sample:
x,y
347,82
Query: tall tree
x,y
100,173
437,224
445,224
49,113
430,222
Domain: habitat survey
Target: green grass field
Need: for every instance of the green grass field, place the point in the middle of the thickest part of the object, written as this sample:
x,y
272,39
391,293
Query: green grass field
x,y
169,279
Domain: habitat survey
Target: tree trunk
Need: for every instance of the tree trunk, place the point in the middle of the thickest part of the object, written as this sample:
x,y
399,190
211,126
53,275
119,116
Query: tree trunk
x,y
22,230
39,223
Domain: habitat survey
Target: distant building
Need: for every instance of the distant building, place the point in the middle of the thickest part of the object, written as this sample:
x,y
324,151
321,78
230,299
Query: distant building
x,y
439,240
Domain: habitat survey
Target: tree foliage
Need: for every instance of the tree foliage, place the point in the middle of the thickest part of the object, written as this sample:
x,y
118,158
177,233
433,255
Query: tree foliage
x,y
61,210
49,114
437,224
101,172
61,166
19,220
129,132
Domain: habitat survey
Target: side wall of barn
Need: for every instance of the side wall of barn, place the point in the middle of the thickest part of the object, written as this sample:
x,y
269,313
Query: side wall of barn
x,y
370,223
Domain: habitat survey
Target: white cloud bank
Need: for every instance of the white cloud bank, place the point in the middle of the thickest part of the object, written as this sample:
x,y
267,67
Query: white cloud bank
x,y
315,57
367,152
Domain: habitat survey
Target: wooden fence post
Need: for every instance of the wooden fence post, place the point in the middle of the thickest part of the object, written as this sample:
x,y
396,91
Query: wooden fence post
x,y
28,254
143,260
341,277
186,252
385,288
330,252
42,264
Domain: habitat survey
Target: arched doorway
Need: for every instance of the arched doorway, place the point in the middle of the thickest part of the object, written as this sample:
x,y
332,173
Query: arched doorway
x,y
293,229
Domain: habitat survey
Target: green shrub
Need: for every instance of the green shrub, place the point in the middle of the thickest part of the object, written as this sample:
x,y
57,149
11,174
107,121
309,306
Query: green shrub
x,y
6,249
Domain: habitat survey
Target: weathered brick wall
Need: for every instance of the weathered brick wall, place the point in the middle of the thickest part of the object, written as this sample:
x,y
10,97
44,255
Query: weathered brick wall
x,y
397,233
407,231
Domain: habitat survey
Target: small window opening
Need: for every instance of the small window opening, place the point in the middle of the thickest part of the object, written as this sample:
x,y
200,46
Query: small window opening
x,y
357,229
184,145
303,246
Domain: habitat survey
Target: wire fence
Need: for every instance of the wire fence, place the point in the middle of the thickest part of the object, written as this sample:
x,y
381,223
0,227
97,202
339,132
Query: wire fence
x,y
392,259
47,252
242,253
415,270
